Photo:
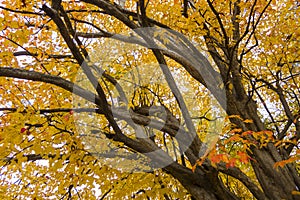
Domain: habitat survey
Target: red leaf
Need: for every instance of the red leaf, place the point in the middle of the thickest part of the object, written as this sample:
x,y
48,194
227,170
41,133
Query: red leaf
x,y
23,130
67,117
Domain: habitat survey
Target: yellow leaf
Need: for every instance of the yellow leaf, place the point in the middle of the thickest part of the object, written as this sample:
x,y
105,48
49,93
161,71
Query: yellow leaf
x,y
294,192
248,121
230,87
14,24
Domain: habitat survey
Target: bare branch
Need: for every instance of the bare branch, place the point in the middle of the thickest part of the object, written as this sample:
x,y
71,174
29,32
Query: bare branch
x,y
26,53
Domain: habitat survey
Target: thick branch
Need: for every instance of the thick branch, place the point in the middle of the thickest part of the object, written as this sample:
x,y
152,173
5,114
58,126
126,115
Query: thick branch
x,y
114,11
238,174
46,78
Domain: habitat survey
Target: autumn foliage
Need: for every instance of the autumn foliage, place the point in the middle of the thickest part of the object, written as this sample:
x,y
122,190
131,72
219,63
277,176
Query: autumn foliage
x,y
157,99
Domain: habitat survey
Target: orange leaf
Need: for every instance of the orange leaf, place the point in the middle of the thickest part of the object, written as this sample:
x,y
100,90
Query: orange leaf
x,y
231,163
243,157
236,130
235,116
247,133
249,121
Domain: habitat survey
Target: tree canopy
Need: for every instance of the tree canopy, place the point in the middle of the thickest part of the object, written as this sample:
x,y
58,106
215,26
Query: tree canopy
x,y
157,99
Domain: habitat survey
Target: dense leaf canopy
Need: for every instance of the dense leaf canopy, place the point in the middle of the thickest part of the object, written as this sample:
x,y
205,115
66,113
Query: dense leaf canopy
x,y
157,99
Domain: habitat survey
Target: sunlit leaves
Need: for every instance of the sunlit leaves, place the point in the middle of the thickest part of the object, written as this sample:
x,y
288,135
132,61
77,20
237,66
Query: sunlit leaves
x,y
49,150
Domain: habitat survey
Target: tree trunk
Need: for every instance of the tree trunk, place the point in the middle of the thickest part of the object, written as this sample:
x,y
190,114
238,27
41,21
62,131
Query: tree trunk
x,y
276,183
201,184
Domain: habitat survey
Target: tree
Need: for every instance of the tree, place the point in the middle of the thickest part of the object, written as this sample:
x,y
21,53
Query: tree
x,y
82,118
